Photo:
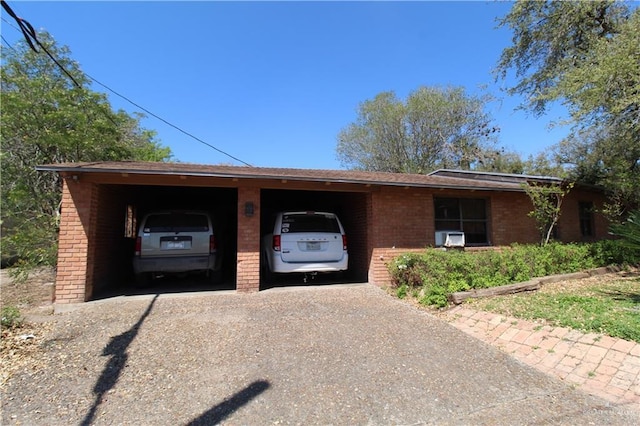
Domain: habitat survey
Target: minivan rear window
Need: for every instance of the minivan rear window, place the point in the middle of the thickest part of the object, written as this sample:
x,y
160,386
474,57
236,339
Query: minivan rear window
x,y
309,223
176,222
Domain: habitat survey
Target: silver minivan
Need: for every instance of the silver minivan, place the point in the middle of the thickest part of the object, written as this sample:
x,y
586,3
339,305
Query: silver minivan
x,y
175,241
307,242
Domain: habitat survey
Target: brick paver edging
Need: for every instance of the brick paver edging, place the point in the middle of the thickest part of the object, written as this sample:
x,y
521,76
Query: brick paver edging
x,y
599,365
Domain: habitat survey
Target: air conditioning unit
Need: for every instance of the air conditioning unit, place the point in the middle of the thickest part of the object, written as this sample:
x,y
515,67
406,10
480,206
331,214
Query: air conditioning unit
x,y
449,239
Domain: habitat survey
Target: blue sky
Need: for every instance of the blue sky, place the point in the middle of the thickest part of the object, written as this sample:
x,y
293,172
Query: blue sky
x,y
273,83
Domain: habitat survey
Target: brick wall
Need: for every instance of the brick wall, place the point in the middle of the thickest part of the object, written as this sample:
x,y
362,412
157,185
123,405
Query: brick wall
x,y
401,218
403,221
509,220
248,260
72,278
569,222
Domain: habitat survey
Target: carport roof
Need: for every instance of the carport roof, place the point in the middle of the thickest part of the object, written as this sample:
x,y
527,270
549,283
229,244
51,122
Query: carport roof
x,y
449,179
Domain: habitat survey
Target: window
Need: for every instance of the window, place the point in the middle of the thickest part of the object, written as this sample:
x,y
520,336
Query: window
x,y
468,215
176,222
309,223
585,212
130,223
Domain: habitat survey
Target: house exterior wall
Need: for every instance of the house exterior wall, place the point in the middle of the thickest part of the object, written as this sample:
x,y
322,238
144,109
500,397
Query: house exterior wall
x,y
248,259
403,221
73,279
386,221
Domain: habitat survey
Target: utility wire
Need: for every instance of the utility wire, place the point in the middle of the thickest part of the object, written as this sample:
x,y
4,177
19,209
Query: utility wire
x,y
31,37
168,123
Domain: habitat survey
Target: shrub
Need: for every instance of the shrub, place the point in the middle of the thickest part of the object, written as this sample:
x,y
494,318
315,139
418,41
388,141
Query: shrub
x,y
613,252
11,317
438,273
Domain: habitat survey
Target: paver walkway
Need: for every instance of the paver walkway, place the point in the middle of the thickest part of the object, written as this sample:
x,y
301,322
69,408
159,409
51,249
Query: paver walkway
x,y
599,365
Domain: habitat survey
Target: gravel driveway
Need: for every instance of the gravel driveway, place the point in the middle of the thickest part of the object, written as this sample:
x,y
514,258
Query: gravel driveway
x,y
319,355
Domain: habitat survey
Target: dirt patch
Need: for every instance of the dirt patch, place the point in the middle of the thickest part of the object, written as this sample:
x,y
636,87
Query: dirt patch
x,y
34,292
21,346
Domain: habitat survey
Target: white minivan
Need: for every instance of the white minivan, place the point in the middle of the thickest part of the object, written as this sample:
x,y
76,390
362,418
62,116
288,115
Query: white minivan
x,y
306,242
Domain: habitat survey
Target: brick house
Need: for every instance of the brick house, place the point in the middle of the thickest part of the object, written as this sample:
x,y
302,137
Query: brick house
x,y
384,214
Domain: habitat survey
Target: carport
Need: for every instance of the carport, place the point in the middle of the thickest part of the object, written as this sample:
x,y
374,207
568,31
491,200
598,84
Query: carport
x,y
103,203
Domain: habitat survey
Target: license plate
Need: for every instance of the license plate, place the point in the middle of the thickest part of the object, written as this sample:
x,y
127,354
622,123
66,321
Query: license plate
x,y
313,246
173,245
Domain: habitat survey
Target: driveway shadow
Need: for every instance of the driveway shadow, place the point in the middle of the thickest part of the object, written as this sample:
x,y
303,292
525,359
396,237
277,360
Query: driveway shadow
x,y
117,349
227,407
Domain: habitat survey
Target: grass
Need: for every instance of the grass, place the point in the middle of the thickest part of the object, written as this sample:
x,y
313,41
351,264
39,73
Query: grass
x,y
606,305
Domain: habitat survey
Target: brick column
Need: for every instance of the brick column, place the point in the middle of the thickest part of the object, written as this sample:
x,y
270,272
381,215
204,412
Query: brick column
x,y
248,266
72,274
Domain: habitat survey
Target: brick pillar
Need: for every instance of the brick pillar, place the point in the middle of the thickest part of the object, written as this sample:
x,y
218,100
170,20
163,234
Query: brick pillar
x,y
73,283
248,267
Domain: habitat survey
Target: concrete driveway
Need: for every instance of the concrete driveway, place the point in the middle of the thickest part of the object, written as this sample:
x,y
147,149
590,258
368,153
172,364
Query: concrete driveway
x,y
317,355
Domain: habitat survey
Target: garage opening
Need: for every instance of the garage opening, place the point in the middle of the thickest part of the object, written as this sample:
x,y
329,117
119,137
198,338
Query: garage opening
x,y
350,207
120,211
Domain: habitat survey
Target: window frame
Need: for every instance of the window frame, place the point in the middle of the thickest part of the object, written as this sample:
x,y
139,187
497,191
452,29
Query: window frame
x,y
471,218
586,219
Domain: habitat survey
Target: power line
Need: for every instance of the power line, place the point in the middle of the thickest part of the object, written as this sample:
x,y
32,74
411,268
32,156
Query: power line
x,y
168,123
31,38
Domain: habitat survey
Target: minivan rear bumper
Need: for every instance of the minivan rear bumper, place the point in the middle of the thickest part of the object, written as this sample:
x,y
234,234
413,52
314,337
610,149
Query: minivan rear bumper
x,y
280,267
174,264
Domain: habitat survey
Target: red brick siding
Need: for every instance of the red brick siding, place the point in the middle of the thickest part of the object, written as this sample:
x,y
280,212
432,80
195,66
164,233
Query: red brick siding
x,y
569,222
403,221
73,251
248,260
401,218
509,220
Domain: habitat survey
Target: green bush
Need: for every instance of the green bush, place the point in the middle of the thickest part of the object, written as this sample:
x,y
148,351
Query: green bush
x,y
11,317
613,252
438,273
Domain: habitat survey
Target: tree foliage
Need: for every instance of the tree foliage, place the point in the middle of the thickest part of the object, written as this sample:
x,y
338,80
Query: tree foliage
x,y
629,232
587,56
46,118
434,128
547,201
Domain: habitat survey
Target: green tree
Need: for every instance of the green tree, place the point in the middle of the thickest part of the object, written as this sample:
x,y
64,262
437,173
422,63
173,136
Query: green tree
x,y
434,128
587,56
547,201
629,231
46,118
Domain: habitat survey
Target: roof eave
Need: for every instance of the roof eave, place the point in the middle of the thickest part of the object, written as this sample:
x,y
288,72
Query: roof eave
x,y
80,169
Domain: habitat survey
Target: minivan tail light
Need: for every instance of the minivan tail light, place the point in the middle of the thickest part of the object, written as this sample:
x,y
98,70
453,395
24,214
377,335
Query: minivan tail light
x,y
212,243
344,242
276,242
138,246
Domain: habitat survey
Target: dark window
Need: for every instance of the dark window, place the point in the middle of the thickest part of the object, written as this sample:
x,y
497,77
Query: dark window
x,y
585,210
468,215
176,222
309,223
